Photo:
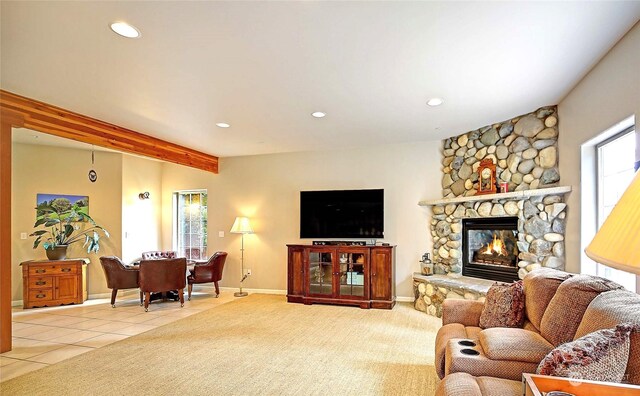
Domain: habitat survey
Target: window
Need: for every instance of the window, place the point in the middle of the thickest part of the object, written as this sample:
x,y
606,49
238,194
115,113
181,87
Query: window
x,y
191,224
615,160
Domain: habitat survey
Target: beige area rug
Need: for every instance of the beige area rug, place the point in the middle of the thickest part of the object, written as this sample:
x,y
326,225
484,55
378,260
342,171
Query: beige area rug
x,y
257,345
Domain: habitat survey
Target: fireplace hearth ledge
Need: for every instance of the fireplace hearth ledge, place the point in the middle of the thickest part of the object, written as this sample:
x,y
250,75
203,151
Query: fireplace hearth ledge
x,y
516,195
431,291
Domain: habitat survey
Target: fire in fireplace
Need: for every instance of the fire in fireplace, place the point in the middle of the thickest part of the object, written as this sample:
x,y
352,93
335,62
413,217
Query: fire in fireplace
x,y
490,249
496,251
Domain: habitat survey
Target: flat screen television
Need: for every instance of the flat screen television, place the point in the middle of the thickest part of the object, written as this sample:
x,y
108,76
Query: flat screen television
x,y
342,214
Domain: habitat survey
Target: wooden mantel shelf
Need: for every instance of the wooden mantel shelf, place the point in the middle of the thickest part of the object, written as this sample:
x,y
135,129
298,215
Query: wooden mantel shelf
x,y
490,197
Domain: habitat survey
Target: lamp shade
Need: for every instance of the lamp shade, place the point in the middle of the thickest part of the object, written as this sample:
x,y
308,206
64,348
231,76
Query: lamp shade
x,y
241,226
617,243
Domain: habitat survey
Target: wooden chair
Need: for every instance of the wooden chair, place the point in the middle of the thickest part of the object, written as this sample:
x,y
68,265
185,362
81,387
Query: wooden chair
x,y
162,276
119,276
209,271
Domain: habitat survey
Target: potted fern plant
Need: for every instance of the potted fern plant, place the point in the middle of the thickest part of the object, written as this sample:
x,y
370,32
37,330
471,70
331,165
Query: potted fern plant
x,y
60,231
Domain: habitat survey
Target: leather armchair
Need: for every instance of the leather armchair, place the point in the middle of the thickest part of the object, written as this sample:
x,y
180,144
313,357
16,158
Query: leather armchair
x,y
118,276
157,255
209,271
162,276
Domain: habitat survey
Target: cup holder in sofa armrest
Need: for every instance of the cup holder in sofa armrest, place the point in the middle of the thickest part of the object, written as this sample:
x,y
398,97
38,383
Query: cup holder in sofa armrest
x,y
470,352
467,343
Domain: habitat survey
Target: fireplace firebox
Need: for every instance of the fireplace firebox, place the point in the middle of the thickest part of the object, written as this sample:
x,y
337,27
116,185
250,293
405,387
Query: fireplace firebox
x,y
489,248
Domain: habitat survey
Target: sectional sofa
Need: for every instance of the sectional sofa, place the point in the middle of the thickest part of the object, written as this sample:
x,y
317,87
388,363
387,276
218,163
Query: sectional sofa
x,y
559,308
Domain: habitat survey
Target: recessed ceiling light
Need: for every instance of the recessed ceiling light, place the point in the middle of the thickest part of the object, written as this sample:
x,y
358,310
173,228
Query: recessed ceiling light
x,y
433,102
125,30
318,114
222,125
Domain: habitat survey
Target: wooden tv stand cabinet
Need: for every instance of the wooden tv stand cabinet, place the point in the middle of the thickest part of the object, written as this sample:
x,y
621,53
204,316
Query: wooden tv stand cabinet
x,y
345,275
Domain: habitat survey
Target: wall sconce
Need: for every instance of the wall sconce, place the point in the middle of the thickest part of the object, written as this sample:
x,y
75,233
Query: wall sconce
x,y
144,195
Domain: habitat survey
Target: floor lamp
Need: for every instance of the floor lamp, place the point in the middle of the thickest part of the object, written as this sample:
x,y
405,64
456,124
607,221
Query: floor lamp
x,y
617,243
241,226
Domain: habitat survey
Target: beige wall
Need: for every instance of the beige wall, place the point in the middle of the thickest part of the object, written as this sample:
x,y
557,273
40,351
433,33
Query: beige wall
x,y
141,219
266,188
47,169
609,94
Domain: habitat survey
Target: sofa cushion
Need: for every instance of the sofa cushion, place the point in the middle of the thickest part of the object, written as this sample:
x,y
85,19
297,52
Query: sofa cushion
x,y
514,344
608,310
598,356
564,314
447,332
539,287
529,326
463,384
504,306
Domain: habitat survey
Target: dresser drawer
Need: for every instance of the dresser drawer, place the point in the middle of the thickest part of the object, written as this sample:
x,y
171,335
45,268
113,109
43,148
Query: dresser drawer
x,y
40,295
53,269
45,282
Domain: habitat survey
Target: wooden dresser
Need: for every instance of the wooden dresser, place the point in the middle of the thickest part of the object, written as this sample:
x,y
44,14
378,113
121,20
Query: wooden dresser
x,y
47,283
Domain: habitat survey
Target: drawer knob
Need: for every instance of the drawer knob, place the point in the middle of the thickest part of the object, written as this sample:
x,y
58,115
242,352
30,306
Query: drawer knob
x,y
40,271
40,283
66,270
41,295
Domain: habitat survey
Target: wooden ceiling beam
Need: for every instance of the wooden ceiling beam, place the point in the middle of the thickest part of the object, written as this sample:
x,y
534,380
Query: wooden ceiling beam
x,y
42,117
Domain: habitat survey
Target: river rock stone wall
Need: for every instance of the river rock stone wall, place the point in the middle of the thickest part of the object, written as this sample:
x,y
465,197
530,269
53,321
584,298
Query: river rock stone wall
x,y
524,149
541,231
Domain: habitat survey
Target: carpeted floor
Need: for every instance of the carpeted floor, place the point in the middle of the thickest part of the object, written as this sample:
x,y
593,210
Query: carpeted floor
x,y
257,345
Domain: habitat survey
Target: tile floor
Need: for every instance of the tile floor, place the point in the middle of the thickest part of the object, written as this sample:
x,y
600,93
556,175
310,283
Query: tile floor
x,y
44,336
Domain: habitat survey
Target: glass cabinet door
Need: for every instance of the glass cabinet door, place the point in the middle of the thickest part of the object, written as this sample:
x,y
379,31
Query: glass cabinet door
x,y
320,273
352,275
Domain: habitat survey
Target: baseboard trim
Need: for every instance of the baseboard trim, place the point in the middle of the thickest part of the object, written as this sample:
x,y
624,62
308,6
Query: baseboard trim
x,y
263,291
405,299
99,295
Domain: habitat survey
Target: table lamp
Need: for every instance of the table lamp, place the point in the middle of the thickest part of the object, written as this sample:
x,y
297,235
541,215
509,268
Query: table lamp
x,y
241,226
617,243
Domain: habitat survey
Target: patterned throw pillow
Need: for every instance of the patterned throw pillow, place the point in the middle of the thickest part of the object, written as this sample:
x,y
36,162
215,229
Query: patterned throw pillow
x,y
504,306
598,356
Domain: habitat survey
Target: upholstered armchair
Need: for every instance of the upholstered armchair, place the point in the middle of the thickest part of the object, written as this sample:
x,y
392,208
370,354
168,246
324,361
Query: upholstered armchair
x,y
118,276
162,276
209,271
158,255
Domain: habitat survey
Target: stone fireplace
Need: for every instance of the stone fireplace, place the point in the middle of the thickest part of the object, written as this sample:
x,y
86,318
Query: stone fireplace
x,y
529,220
540,227
489,248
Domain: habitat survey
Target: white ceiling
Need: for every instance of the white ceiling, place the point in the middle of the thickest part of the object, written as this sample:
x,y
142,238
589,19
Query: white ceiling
x,y
264,67
28,136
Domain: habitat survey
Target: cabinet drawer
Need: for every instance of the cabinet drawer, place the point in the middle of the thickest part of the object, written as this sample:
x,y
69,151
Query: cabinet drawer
x,y
40,295
53,269
45,282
